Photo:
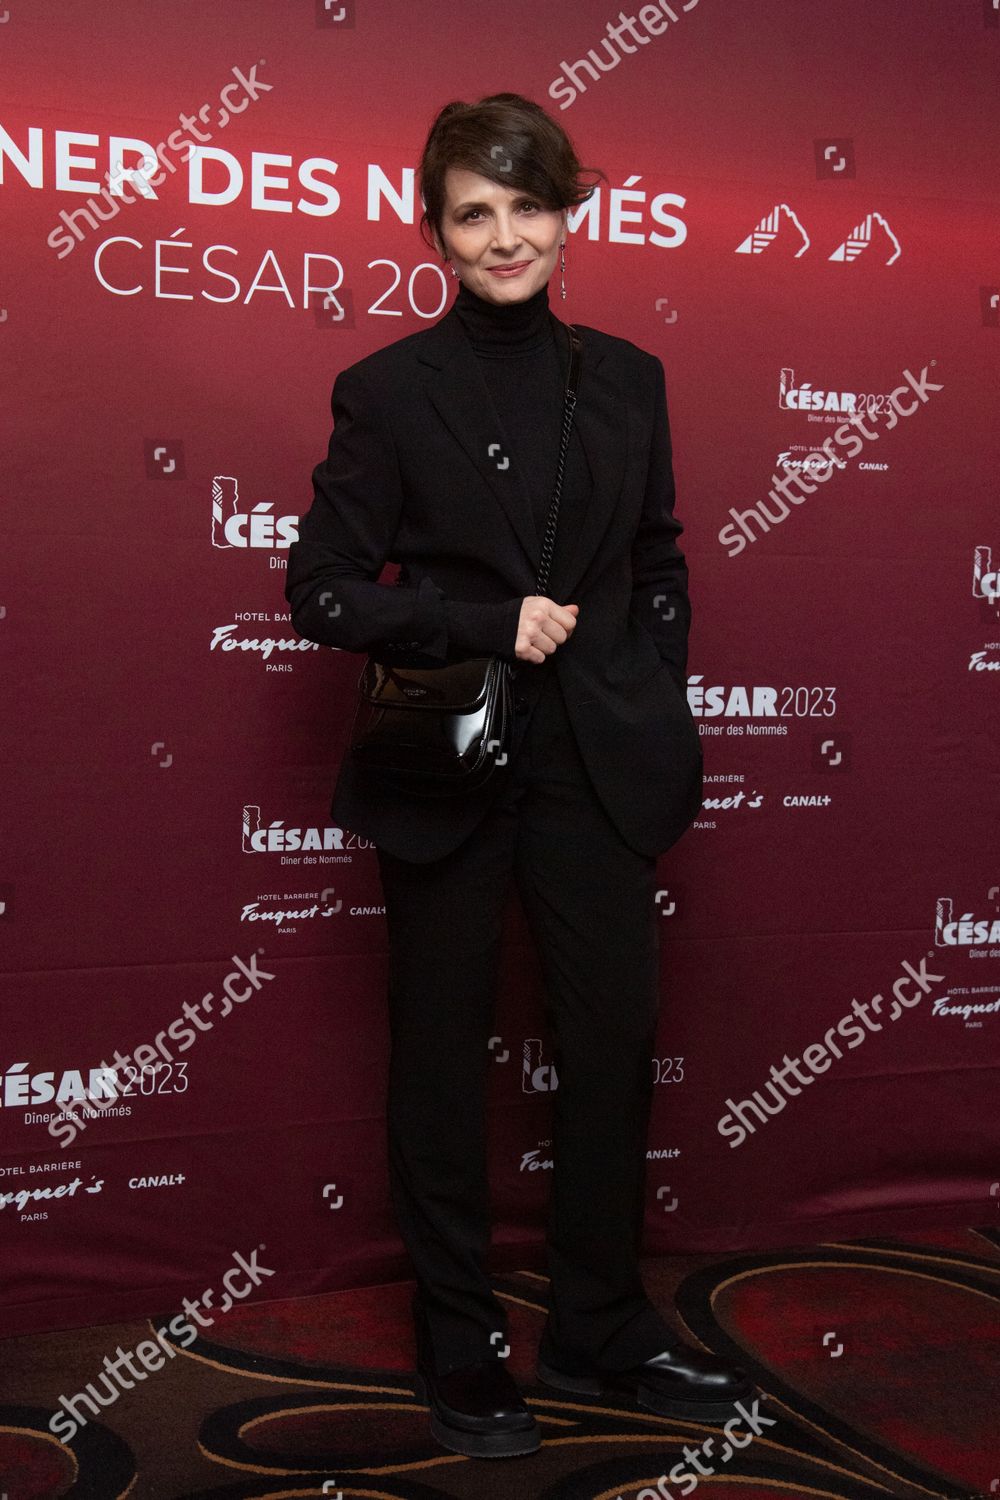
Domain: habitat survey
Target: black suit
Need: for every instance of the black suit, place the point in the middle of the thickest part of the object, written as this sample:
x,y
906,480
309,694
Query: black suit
x,y
604,774
409,478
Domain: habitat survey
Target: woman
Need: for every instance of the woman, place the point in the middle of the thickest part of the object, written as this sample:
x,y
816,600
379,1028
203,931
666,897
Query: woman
x,y
443,459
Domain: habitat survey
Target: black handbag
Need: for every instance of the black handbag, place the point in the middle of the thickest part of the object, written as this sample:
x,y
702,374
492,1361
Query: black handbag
x,y
443,731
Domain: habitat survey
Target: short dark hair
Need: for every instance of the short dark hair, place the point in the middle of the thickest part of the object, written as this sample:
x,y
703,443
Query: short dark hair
x,y
509,139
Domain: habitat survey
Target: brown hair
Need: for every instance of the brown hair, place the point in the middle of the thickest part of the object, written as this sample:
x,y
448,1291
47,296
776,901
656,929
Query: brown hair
x,y
508,139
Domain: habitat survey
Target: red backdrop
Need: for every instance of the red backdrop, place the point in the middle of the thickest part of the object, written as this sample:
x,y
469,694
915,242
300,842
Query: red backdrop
x,y
801,209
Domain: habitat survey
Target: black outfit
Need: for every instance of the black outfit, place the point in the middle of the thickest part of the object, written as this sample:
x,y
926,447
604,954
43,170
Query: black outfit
x,y
413,475
525,372
586,882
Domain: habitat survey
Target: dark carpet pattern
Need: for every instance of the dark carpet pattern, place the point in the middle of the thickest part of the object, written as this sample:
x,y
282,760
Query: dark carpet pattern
x,y
879,1361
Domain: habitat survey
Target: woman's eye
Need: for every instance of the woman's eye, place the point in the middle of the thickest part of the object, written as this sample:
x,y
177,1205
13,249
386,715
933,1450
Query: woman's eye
x,y
472,212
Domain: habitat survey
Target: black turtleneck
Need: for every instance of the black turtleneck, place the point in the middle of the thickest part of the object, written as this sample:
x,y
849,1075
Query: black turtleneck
x,y
525,373
496,328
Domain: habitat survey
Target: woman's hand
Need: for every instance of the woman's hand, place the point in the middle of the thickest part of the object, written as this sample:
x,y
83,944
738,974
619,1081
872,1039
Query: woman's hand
x,y
543,625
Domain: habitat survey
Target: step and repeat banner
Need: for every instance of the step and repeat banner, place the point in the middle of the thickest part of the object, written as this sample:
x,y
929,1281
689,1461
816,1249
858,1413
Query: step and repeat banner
x,y
211,210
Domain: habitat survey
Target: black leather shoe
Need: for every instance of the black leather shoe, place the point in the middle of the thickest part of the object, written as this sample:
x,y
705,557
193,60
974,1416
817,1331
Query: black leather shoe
x,y
681,1381
478,1410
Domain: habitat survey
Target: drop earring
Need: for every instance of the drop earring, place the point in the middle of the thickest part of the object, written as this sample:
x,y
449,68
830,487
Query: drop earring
x,y
562,267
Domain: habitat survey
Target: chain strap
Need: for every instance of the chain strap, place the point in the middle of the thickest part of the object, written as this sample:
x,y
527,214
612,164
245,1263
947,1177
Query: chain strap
x,y
548,542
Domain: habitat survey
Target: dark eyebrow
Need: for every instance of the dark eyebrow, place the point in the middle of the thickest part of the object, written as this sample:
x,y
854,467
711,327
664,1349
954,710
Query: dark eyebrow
x,y
459,206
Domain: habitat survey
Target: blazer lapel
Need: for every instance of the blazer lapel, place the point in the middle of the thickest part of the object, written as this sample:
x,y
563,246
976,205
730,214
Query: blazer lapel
x,y
461,397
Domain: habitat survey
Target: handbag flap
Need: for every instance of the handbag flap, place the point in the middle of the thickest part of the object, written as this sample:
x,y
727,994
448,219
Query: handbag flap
x,y
459,687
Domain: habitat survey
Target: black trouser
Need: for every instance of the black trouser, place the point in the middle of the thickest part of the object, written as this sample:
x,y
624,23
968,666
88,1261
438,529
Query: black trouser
x,y
590,903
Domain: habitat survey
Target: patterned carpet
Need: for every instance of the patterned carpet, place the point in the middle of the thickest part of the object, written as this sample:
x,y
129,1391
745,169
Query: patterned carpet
x,y
879,1360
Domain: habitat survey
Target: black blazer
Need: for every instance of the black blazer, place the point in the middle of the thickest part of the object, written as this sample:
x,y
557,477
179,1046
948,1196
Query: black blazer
x,y
409,479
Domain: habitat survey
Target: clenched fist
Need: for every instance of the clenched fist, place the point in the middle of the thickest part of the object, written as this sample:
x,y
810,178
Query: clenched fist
x,y
543,625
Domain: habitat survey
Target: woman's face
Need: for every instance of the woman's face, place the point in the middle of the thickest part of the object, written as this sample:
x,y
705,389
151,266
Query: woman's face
x,y
486,226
